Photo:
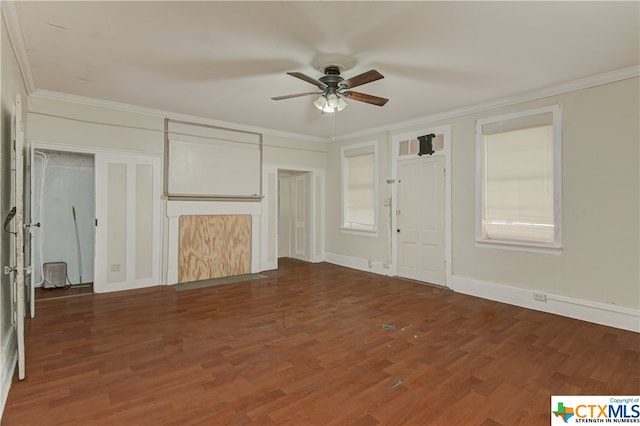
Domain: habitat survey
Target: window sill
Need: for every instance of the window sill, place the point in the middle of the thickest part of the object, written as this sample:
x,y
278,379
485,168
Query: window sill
x,y
361,232
520,246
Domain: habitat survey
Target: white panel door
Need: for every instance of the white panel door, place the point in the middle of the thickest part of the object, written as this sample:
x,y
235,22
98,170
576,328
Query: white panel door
x,y
18,271
299,207
128,208
420,219
30,228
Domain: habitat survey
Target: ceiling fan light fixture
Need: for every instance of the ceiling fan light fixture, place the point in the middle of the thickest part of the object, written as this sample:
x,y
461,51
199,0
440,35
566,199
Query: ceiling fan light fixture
x,y
320,103
328,108
330,103
332,100
341,104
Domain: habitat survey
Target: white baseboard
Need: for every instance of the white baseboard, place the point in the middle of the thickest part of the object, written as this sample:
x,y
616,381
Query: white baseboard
x,y
9,361
374,266
586,310
172,277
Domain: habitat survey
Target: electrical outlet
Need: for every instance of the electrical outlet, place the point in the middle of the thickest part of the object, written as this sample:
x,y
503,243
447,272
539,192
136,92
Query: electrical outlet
x,y
115,267
540,297
370,264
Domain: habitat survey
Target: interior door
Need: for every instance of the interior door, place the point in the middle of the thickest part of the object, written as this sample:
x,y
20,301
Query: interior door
x,y
30,228
127,251
420,219
299,204
18,232
284,216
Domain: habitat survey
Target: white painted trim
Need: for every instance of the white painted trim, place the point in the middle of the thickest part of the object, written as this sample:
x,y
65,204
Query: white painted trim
x,y
119,106
376,267
598,313
84,149
315,221
9,361
558,89
395,142
16,36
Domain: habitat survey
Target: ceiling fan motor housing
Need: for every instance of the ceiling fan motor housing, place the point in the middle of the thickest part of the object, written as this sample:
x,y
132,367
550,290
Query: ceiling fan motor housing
x,y
331,78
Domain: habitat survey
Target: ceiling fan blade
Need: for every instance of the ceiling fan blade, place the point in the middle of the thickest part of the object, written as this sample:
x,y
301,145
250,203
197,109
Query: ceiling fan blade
x,y
279,98
363,97
308,79
360,79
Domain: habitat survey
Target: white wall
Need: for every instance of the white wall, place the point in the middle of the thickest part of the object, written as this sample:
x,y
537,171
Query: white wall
x,y
599,260
11,85
343,245
596,276
63,122
55,121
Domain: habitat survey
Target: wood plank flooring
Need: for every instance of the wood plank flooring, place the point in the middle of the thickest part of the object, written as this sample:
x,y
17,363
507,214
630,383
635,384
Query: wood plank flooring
x,y
307,346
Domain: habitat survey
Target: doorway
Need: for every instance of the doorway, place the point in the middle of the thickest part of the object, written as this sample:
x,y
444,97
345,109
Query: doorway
x,y
421,242
63,211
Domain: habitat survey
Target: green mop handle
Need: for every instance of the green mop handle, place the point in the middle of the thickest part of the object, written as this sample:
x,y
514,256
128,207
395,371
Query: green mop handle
x,y
75,222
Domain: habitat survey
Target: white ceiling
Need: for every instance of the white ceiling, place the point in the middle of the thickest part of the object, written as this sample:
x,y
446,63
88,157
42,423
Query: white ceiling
x,y
225,60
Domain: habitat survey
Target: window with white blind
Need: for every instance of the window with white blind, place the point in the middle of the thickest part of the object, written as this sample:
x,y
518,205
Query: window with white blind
x,y
359,187
519,179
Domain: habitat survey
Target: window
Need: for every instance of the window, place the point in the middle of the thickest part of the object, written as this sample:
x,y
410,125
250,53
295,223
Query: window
x,y
359,187
518,158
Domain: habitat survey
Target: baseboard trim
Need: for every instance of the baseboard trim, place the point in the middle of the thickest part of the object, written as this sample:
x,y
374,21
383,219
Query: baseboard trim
x,y
585,310
9,362
360,264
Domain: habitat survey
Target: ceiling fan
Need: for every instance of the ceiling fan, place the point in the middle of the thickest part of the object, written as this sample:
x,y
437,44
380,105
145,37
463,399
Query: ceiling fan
x,y
334,89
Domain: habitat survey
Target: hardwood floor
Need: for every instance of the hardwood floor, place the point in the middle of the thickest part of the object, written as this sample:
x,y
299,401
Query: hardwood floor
x,y
310,345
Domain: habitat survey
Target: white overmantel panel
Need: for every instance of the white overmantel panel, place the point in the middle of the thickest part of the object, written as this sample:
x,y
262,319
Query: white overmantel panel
x,y
175,209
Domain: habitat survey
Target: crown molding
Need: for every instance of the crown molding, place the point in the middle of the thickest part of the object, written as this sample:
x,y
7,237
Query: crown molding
x,y
16,37
152,112
583,83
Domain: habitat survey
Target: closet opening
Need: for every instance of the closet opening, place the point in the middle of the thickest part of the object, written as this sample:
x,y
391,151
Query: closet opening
x,y
63,204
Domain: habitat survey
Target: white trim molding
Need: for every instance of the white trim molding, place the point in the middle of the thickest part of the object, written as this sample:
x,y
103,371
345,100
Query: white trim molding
x,y
585,310
571,307
16,36
9,361
360,264
152,112
558,89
